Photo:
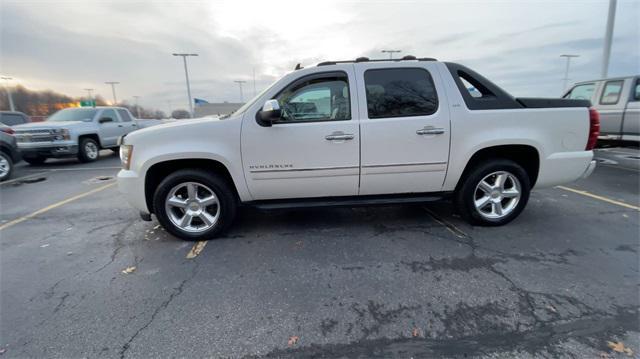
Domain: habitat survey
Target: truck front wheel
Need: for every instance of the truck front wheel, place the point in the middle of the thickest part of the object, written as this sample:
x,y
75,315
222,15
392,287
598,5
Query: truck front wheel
x,y
194,205
89,150
494,193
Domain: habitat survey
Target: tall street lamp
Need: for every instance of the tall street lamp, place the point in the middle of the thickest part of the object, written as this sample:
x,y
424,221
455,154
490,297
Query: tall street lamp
x,y
7,79
240,82
186,74
566,70
391,52
113,90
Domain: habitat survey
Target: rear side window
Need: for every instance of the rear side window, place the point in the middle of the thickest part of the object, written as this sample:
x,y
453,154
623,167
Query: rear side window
x,y
582,92
611,92
12,119
400,93
124,115
636,91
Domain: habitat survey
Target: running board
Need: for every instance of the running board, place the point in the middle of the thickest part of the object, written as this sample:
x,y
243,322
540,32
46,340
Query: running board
x,y
351,201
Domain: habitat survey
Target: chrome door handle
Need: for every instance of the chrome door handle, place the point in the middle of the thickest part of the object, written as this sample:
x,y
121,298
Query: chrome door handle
x,y
339,136
430,130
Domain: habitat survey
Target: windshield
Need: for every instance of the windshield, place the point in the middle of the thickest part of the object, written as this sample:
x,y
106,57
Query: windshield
x,y
74,114
249,103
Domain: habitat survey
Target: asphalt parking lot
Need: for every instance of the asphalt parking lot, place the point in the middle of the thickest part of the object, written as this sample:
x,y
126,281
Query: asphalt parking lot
x,y
399,281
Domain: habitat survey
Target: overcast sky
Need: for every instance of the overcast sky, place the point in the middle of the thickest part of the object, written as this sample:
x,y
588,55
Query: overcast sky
x,y
72,45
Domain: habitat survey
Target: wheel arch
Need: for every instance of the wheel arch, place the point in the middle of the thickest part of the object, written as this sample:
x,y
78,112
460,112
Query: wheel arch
x,y
158,171
526,156
93,136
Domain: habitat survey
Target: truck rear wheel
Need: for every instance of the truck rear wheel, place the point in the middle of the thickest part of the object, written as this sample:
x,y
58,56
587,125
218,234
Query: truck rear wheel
x,y
194,205
494,193
89,150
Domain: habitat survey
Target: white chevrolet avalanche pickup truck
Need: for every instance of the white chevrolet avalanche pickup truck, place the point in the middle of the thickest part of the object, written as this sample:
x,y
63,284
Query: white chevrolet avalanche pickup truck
x,y
360,132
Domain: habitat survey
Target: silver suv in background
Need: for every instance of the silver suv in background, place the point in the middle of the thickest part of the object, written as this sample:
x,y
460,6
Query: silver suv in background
x,y
618,102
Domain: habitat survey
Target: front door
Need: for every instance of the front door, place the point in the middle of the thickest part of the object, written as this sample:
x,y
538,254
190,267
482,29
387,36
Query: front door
x,y
313,150
404,124
110,131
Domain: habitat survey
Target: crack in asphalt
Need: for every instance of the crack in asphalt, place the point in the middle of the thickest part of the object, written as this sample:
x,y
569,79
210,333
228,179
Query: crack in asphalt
x,y
118,244
175,293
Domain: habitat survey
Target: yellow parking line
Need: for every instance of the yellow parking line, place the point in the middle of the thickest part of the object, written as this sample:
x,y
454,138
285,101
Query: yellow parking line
x,y
450,226
604,199
196,249
55,205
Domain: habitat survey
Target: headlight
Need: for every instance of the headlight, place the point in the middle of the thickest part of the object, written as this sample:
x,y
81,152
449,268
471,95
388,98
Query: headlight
x,y
125,156
61,134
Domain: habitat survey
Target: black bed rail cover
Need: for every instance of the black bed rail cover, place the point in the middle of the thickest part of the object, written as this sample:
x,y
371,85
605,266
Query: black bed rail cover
x,y
534,102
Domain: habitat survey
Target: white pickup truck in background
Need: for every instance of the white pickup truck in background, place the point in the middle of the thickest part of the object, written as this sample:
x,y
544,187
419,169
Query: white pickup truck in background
x,y
80,132
360,132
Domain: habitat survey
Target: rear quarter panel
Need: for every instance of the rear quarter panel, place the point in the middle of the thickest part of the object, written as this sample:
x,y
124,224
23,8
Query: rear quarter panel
x,y
558,134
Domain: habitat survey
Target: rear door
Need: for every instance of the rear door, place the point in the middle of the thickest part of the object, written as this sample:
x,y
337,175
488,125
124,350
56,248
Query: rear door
x,y
404,127
127,121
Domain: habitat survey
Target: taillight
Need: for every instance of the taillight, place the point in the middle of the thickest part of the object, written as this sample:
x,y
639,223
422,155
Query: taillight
x,y
8,130
594,129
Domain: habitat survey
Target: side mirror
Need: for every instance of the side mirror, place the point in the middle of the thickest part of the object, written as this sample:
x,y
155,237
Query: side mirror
x,y
270,112
105,120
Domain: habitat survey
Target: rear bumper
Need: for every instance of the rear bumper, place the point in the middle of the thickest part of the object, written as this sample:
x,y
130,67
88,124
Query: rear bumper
x,y
564,167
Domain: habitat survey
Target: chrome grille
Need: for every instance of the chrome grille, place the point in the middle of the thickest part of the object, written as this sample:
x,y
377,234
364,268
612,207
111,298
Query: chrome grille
x,y
34,135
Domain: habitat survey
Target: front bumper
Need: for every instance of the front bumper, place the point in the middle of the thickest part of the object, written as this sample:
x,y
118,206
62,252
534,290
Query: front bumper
x,y
61,149
131,185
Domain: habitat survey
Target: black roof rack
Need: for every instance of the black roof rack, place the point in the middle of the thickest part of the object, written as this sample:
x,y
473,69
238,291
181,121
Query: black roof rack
x,y
366,59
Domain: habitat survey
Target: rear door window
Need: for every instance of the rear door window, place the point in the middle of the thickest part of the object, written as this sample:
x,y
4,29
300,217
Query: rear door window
x,y
582,92
401,92
124,115
611,93
636,91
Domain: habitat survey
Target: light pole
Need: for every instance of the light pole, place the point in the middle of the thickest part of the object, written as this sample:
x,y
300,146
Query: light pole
x,y
186,74
11,106
137,107
566,70
240,82
113,90
391,52
608,37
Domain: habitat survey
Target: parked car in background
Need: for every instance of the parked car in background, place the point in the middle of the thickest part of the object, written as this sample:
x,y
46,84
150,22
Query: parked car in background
x,y
367,132
9,154
13,118
618,102
80,132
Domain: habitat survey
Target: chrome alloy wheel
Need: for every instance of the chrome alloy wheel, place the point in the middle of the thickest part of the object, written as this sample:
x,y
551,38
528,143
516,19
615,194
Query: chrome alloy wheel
x,y
5,167
192,207
497,195
91,150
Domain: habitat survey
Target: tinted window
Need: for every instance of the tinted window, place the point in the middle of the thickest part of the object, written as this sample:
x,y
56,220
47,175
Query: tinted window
x,y
582,92
319,99
636,91
125,116
399,93
110,113
611,92
12,119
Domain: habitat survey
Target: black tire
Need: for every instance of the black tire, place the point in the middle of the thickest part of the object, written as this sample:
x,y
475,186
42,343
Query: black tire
x,y
465,196
222,190
86,150
6,166
34,160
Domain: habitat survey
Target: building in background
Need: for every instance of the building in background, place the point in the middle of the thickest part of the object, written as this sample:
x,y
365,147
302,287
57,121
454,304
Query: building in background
x,y
216,109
